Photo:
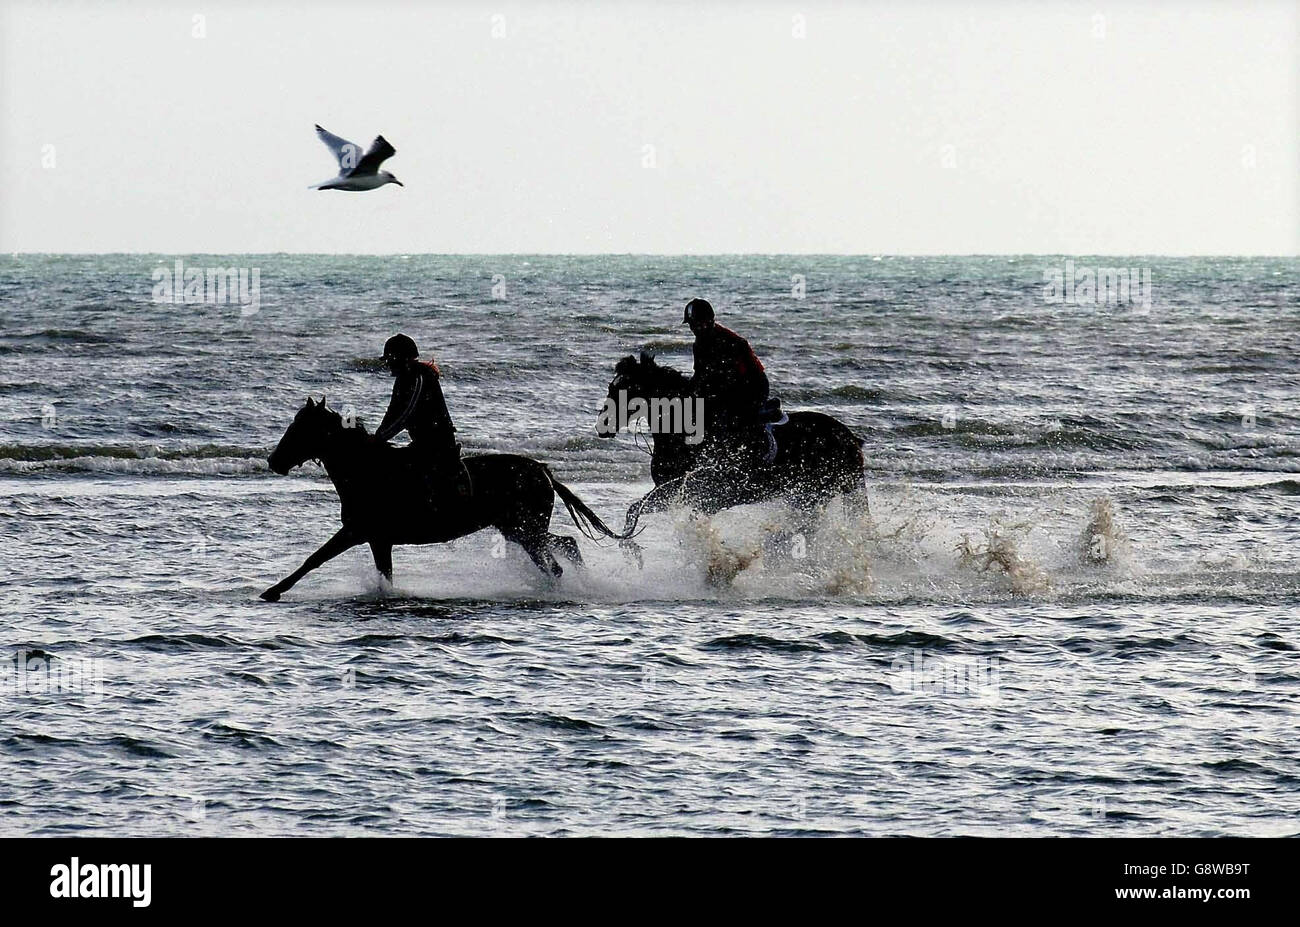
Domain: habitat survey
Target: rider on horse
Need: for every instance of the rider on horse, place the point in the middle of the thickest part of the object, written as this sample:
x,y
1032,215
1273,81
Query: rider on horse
x,y
730,378
418,408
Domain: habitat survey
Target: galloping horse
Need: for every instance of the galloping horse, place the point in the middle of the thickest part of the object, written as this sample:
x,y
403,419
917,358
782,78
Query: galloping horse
x,y
817,457
386,501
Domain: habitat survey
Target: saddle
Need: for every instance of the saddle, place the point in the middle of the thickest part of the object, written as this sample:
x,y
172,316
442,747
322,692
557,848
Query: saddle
x,y
443,480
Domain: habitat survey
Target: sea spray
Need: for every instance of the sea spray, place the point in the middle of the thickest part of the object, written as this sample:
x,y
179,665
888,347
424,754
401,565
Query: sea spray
x,y
841,552
1000,550
721,561
1104,541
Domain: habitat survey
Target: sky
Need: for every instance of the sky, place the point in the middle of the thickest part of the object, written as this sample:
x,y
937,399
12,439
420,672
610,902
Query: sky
x,y
672,127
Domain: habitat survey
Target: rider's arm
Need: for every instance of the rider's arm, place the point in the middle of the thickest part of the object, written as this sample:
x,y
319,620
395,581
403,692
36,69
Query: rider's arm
x,y
704,382
406,393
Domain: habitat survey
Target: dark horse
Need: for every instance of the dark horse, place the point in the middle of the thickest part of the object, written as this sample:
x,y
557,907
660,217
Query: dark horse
x,y
386,500
817,457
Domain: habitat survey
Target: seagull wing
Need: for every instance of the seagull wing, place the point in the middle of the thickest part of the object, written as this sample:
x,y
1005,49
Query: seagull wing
x,y
380,151
347,153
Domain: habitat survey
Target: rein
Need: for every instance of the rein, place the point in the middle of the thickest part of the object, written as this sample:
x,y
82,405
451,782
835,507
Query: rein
x,y
639,435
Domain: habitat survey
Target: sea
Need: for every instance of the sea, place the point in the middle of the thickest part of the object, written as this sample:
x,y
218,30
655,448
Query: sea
x,y
1073,607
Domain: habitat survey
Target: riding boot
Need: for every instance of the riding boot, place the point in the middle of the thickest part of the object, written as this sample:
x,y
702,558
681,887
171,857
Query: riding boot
x,y
454,471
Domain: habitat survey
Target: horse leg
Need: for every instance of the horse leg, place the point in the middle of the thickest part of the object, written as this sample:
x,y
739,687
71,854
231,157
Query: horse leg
x,y
538,549
855,498
383,554
343,540
567,546
634,513
656,500
856,504
710,490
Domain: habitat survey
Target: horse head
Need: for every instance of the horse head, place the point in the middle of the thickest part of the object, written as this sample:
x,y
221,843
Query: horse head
x,y
633,375
634,378
307,437
641,376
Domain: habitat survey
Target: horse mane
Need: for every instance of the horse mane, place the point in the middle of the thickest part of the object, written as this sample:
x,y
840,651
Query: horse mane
x,y
679,380
358,427
627,365
669,378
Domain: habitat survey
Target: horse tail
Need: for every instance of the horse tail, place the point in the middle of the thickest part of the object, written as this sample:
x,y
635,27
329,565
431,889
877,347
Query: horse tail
x,y
588,522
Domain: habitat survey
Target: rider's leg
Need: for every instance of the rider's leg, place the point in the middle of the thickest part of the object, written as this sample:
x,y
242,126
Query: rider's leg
x,y
450,476
444,475
720,433
458,473
736,437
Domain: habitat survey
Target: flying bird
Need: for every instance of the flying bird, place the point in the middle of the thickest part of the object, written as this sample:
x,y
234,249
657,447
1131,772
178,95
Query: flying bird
x,y
357,171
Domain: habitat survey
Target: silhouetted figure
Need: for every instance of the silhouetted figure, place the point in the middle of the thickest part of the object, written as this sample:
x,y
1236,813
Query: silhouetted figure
x,y
419,409
730,378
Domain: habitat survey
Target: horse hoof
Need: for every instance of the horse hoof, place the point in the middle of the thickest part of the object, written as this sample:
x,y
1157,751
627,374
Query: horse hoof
x,y
632,551
270,595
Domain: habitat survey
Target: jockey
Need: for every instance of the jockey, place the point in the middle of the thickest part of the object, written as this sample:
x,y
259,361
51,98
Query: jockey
x,y
730,378
418,408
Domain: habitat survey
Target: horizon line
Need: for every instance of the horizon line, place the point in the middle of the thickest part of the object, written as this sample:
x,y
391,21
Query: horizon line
x,y
661,254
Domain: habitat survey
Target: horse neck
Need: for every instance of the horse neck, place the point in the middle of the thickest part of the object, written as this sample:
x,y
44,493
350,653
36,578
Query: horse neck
x,y
662,445
669,384
342,457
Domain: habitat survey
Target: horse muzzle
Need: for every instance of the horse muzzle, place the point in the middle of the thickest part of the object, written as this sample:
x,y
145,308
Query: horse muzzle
x,y
278,465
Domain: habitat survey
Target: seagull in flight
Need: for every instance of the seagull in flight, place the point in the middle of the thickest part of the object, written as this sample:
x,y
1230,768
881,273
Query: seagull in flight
x,y
357,171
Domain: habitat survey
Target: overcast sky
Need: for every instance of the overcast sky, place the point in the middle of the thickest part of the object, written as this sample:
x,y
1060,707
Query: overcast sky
x,y
899,127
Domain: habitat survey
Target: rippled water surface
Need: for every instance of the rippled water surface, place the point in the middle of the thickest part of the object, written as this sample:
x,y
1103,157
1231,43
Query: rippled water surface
x,y
1073,607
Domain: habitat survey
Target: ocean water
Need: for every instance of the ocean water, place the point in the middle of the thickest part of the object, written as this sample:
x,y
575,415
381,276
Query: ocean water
x,y
1074,607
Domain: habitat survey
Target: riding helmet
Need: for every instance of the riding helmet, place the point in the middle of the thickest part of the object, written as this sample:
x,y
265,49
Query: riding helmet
x,y
400,347
698,310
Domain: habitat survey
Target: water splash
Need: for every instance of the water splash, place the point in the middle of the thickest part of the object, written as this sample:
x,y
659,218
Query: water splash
x,y
1104,541
722,562
1000,550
